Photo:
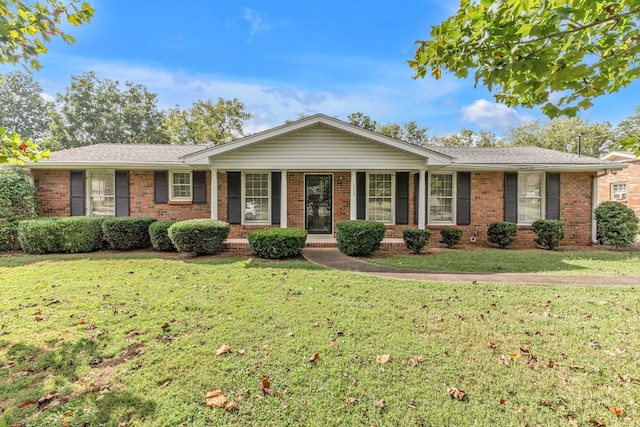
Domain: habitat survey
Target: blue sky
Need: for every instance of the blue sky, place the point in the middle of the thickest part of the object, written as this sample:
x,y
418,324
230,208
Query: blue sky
x,y
284,58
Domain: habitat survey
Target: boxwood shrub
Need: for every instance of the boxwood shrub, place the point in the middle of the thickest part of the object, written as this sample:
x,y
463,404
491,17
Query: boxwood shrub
x,y
61,235
359,237
202,236
549,231
416,239
502,233
159,235
18,201
450,236
617,224
276,243
124,233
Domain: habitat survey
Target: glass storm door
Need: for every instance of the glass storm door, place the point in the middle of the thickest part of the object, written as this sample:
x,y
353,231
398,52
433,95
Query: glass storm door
x,y
318,191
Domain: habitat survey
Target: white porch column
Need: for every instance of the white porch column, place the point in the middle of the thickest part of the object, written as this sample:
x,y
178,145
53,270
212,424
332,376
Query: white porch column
x,y
214,193
283,199
353,203
422,197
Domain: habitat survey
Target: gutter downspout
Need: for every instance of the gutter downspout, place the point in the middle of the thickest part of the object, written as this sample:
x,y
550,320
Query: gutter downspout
x,y
594,205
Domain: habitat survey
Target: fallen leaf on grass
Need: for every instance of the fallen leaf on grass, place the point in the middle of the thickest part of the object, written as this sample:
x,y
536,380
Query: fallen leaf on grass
x,y
522,410
222,350
350,400
492,345
502,401
47,397
456,393
616,411
415,360
383,358
596,422
27,403
9,364
314,358
334,344
379,403
576,367
215,399
231,406
240,351
40,318
266,386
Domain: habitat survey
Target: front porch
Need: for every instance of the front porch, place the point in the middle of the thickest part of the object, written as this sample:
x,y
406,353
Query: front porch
x,y
314,241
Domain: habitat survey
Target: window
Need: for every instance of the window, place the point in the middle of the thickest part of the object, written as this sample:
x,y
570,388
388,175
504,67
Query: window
x,y
256,198
530,189
102,193
180,186
380,197
441,198
619,191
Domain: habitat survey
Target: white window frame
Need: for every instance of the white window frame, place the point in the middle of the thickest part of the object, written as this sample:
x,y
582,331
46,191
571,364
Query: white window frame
x,y
89,192
617,193
454,184
245,207
172,196
541,196
393,196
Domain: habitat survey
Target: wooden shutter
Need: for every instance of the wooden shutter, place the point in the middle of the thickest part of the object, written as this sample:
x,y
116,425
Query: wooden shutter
x,y
553,196
122,193
160,187
402,197
361,195
234,197
199,186
76,190
463,196
511,197
275,197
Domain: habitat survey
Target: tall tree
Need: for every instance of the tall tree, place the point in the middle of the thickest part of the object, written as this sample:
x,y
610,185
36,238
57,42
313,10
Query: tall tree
x,y
531,49
469,138
25,28
22,107
94,110
628,130
410,132
563,134
206,122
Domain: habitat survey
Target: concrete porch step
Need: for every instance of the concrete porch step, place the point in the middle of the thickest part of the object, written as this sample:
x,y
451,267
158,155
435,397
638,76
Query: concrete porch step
x,y
313,241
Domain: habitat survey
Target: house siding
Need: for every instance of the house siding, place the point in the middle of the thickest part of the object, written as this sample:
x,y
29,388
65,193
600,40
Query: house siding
x,y
631,176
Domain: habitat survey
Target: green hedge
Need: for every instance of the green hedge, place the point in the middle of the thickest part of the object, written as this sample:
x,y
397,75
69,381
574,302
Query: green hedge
x,y
159,234
617,224
359,237
549,231
18,201
61,235
450,236
502,233
124,233
416,239
202,236
277,243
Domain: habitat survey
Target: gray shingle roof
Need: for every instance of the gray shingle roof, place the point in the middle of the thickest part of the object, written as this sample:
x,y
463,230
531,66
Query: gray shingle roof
x,y
513,155
125,153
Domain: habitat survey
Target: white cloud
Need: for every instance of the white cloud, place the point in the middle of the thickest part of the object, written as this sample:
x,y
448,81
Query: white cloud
x,y
491,116
255,19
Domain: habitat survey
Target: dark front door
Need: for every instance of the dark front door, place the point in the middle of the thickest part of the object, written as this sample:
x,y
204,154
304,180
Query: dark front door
x,y
318,190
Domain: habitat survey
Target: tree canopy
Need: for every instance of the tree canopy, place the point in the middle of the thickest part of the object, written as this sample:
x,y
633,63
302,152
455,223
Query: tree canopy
x,y
22,106
410,132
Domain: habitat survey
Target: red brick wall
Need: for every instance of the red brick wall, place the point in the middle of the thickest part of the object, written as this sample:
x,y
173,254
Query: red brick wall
x,y
631,176
53,191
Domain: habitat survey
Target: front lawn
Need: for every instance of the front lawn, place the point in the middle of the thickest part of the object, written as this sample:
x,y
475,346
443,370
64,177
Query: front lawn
x,y
132,341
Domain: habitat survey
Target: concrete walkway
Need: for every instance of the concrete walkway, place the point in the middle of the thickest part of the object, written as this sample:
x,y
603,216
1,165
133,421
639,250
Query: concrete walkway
x,y
334,258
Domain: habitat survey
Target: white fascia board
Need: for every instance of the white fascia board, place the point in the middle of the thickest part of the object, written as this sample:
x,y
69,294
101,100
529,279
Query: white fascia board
x,y
542,167
108,165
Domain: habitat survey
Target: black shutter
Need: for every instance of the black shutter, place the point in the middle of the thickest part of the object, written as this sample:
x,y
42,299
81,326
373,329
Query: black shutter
x,y
275,197
361,195
160,187
463,194
553,196
122,193
199,186
416,198
234,197
76,185
511,197
402,197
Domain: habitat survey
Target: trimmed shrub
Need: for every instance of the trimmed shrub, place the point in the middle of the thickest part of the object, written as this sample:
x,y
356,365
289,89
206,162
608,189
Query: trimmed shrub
x,y
78,234
359,237
450,236
502,233
276,243
416,239
124,233
202,236
617,224
18,201
549,231
159,235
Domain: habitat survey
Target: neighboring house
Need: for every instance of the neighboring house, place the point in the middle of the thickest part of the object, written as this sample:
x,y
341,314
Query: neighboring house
x,y
317,171
621,186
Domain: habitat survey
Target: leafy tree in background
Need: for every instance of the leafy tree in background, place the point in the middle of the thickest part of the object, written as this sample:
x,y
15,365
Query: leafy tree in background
x,y
94,110
562,135
25,28
22,107
206,122
627,132
468,138
529,50
410,132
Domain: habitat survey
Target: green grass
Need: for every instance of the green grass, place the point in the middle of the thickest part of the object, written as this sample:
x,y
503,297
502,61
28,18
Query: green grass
x,y
65,323
521,261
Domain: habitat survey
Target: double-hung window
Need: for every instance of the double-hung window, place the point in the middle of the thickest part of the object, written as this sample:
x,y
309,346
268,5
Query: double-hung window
x,y
441,197
102,193
530,200
256,198
380,197
619,191
180,186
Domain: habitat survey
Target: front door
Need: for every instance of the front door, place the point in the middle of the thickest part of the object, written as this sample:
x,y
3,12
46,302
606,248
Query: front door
x,y
318,190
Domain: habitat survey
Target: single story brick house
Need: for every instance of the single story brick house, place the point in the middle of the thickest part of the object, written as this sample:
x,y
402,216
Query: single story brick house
x,y
317,171
622,186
